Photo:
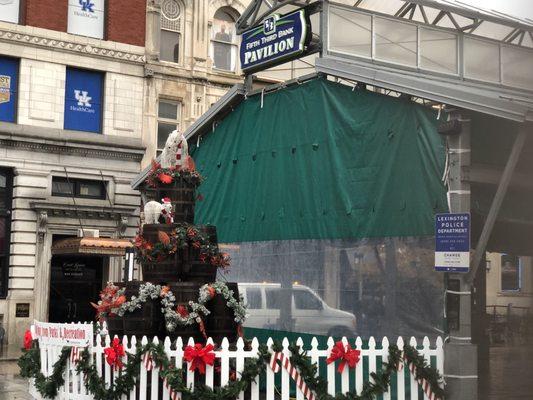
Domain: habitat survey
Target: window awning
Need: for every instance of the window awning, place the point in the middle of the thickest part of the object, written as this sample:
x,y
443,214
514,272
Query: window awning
x,y
91,245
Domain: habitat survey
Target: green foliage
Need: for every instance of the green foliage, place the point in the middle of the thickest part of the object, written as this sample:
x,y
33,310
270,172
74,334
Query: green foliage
x,y
124,382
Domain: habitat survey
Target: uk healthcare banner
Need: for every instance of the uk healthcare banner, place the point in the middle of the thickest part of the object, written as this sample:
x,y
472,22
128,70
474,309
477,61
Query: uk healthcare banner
x,y
83,100
57,334
9,69
86,17
452,242
278,39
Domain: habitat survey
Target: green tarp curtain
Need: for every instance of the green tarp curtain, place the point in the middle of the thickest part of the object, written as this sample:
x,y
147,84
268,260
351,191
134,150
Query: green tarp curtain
x,y
322,161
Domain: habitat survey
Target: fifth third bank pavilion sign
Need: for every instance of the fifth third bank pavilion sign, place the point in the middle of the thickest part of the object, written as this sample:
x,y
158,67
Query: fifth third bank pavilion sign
x,y
278,39
452,242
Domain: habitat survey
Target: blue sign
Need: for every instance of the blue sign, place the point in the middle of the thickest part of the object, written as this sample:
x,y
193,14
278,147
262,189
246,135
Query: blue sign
x,y
452,242
9,71
276,40
83,100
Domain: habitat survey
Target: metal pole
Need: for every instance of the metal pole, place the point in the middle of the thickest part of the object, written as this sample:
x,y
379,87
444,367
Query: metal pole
x,y
498,200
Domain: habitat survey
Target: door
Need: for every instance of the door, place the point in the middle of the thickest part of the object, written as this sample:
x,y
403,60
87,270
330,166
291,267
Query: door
x,y
75,282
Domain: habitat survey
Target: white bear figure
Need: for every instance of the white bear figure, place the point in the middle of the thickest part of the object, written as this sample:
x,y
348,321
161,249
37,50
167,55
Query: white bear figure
x,y
175,152
152,211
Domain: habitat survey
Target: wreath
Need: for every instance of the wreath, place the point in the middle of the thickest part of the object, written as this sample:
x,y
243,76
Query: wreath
x,y
181,237
184,314
123,383
166,176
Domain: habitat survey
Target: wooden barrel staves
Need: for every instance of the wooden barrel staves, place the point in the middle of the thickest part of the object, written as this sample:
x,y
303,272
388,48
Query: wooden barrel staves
x,y
181,194
221,322
185,292
202,271
148,320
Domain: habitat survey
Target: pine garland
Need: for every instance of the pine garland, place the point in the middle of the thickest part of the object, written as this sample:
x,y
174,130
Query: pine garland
x,y
29,364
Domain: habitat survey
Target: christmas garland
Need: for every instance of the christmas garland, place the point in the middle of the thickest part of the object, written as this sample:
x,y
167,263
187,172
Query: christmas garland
x,y
111,300
166,176
174,377
183,236
184,314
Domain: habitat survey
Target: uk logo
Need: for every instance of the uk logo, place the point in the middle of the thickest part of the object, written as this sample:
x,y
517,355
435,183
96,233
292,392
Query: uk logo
x,y
83,99
87,5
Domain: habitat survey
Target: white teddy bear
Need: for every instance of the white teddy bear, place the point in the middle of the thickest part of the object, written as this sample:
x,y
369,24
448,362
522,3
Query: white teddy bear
x,y
153,210
175,152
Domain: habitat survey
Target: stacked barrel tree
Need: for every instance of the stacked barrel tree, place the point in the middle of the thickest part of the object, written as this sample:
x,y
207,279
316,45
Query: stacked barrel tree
x,y
179,294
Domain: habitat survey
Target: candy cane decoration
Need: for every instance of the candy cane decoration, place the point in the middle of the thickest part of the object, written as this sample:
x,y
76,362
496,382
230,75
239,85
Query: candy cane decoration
x,y
74,354
147,361
293,372
426,387
173,394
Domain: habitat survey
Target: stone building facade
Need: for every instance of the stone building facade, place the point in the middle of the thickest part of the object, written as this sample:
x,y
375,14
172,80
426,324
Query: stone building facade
x,y
71,118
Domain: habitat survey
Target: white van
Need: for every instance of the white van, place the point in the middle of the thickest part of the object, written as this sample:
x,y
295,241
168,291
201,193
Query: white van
x,y
309,312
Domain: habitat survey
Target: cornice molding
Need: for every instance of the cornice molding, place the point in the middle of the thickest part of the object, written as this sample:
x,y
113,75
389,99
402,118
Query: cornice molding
x,y
72,46
77,151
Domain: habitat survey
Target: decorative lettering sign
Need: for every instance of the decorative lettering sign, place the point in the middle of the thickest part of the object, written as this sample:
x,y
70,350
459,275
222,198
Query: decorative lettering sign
x,y
9,68
86,17
452,242
9,10
22,310
79,335
279,38
83,100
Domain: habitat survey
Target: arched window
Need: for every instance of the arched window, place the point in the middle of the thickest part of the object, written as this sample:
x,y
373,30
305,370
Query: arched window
x,y
224,39
171,26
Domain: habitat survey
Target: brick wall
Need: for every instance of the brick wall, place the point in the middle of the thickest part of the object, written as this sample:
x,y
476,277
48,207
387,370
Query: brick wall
x,y
126,21
48,14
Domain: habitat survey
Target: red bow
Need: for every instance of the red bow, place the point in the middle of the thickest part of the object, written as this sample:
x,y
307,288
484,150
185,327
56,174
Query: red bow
x,y
27,339
114,354
199,356
346,354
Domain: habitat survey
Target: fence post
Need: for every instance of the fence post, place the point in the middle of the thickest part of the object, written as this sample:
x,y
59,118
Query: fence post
x,y
400,381
270,378
224,362
359,371
143,387
299,394
239,362
209,371
155,376
345,376
412,379
254,390
166,345
285,377
133,347
107,367
384,359
372,355
126,349
330,369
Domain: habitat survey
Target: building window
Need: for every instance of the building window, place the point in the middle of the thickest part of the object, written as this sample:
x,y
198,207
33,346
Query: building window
x,y
6,190
171,21
510,273
82,188
9,11
224,40
84,100
168,119
86,18
9,69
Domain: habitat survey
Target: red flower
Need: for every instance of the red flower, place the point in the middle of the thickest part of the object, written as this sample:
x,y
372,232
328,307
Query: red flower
x,y
163,237
199,356
182,311
27,339
164,178
345,354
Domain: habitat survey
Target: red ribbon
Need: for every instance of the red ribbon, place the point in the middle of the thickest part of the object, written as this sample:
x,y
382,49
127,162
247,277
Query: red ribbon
x,y
345,354
114,354
199,356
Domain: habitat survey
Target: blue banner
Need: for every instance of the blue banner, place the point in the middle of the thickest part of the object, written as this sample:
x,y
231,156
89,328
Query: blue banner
x,y
452,242
276,40
83,100
9,71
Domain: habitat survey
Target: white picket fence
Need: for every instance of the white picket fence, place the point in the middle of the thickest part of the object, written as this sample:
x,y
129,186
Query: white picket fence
x,y
268,386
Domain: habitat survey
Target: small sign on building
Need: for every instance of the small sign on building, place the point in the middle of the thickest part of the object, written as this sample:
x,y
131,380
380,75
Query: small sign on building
x,y
22,310
452,242
57,334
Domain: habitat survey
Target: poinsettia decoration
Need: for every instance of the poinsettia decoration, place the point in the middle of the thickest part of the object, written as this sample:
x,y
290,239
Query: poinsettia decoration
x,y
111,298
159,175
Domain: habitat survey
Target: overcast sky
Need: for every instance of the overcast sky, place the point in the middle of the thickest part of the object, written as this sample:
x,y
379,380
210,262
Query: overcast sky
x,y
519,8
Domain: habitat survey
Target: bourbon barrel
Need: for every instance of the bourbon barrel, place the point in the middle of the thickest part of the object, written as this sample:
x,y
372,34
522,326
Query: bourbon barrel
x,y
220,322
148,320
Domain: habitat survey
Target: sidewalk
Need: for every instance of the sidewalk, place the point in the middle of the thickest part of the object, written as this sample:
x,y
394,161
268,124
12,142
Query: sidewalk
x,y
12,386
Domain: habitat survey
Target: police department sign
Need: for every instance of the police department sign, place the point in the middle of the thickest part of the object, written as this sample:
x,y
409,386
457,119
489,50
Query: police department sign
x,y
276,40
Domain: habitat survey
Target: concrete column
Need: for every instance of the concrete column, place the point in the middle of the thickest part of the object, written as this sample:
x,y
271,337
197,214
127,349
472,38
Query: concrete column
x,y
200,42
153,29
460,367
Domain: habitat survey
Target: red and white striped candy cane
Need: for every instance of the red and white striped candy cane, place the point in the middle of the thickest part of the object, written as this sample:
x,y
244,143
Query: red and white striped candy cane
x,y
147,361
173,394
74,354
426,387
293,372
